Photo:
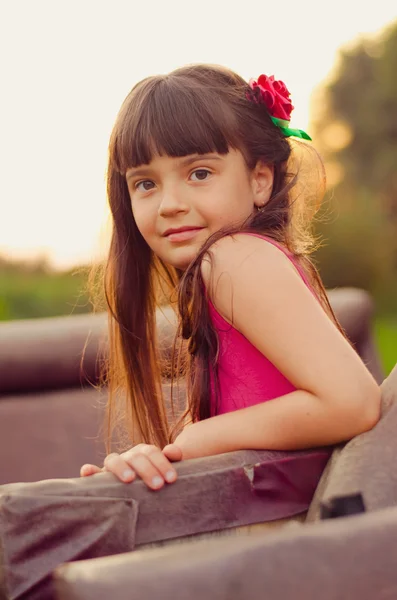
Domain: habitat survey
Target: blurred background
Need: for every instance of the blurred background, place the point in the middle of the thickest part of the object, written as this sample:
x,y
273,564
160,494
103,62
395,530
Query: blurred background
x,y
66,67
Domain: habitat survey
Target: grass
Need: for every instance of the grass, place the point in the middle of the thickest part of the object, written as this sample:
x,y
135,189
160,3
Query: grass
x,y
28,295
386,340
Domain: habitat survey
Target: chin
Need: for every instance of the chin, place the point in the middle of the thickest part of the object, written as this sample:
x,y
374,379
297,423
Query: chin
x,y
181,262
180,256
182,265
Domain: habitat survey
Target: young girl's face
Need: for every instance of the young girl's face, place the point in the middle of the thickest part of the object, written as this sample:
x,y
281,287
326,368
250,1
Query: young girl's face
x,y
179,202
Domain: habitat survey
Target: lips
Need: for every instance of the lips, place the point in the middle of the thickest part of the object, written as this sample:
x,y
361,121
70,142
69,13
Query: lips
x,y
180,230
182,233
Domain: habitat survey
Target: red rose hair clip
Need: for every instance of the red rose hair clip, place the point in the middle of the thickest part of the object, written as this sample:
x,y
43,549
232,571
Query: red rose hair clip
x,y
276,97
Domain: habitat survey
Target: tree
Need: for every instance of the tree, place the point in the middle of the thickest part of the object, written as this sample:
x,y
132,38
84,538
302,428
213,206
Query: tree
x,y
362,98
356,131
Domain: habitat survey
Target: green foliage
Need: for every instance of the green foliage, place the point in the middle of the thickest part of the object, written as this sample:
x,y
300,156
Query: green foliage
x,y
357,250
360,233
386,341
363,96
34,290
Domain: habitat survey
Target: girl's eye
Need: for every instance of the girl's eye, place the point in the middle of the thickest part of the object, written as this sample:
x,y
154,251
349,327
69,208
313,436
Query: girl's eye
x,y
201,174
144,186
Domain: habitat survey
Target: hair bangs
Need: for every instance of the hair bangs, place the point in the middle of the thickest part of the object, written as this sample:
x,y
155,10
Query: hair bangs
x,y
172,117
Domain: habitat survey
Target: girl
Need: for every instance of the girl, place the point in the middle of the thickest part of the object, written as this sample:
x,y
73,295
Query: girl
x,y
206,199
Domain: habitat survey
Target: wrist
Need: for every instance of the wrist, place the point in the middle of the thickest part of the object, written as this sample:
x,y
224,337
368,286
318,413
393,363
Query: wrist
x,y
203,438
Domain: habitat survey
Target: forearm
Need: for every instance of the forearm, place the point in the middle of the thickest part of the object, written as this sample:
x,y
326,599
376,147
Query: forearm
x,y
294,421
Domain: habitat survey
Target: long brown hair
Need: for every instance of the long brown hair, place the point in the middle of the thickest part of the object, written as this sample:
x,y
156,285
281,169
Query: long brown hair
x,y
195,109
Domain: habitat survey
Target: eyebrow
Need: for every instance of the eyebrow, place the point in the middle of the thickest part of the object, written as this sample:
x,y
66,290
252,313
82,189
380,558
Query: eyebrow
x,y
146,171
191,159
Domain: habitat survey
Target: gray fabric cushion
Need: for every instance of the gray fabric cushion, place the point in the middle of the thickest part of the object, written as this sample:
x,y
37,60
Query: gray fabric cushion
x,y
50,434
366,464
72,530
352,558
44,354
62,352
43,524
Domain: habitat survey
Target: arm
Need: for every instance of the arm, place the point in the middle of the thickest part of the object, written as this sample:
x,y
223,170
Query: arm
x,y
258,289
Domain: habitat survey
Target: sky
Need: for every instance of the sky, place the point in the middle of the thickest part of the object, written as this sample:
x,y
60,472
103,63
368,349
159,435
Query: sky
x,y
66,67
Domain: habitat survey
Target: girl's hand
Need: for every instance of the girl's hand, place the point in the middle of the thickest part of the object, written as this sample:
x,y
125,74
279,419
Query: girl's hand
x,y
151,464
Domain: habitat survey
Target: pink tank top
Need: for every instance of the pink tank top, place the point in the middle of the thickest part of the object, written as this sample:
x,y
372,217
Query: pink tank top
x,y
246,377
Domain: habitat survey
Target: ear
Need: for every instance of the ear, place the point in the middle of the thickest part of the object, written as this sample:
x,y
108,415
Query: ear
x,y
262,183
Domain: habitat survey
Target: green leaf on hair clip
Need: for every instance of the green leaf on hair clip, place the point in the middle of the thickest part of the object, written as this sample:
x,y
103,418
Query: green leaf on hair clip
x,y
287,131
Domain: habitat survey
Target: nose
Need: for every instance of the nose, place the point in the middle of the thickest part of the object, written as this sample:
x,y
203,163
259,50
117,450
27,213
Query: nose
x,y
172,203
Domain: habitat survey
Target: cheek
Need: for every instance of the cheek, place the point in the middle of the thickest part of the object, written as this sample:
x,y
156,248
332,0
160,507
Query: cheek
x,y
236,204
144,219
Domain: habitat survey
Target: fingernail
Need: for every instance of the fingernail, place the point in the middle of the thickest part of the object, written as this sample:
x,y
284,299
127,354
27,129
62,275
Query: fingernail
x,y
128,474
170,476
157,481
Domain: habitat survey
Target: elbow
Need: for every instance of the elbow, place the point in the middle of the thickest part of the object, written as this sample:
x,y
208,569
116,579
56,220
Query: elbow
x,y
373,407
367,409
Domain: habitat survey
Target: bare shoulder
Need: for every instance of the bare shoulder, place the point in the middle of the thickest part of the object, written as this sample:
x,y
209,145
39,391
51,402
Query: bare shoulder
x,y
243,260
234,253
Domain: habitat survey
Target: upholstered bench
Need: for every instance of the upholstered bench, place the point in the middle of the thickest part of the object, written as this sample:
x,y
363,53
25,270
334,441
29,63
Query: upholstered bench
x,y
47,523
351,557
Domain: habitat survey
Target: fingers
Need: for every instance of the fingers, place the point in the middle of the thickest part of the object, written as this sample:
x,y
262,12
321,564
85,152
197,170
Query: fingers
x,y
116,464
161,462
151,464
172,452
146,461
87,470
